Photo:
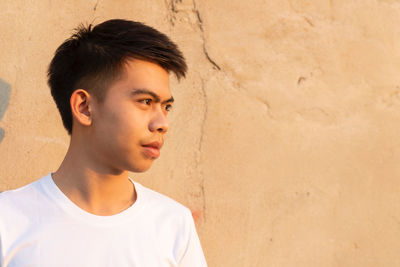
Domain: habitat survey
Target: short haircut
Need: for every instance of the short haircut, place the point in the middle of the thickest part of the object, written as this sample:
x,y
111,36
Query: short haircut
x,y
94,57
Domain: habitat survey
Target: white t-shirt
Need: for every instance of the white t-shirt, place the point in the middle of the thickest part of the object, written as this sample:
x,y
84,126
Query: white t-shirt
x,y
41,227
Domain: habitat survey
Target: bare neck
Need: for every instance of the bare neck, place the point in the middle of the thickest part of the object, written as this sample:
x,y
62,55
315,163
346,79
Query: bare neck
x,y
92,186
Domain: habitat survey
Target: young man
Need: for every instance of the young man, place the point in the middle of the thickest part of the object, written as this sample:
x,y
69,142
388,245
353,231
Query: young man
x,y
111,86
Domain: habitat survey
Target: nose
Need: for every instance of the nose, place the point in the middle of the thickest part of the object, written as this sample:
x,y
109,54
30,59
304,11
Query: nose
x,y
159,123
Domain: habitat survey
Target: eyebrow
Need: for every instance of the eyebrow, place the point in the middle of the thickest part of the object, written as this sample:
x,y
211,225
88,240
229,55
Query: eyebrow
x,y
151,93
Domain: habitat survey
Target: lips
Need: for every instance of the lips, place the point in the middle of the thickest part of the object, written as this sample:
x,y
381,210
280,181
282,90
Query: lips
x,y
152,149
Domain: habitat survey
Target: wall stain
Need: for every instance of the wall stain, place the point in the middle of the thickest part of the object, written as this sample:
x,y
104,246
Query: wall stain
x,y
5,90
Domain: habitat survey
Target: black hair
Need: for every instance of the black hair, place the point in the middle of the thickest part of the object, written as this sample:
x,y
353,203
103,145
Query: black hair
x,y
93,57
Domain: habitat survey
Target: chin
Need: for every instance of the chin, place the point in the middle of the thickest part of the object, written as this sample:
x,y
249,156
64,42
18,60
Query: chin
x,y
141,168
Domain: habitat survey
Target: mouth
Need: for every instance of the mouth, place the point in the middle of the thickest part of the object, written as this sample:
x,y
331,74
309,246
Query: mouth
x,y
152,149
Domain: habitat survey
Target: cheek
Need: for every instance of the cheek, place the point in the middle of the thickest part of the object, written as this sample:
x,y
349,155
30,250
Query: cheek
x,y
131,124
106,126
125,121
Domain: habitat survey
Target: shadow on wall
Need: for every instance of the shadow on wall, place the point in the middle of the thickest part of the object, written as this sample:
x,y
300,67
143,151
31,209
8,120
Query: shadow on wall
x,y
5,90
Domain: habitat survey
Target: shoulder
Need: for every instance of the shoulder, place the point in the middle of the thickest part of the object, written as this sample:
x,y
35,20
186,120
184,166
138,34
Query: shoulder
x,y
16,196
16,203
175,224
156,202
155,199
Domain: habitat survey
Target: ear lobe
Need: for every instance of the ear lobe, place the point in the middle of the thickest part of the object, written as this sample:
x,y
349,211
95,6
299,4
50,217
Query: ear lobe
x,y
80,107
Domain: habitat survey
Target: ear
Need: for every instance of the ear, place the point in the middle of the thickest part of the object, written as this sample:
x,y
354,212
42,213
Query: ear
x,y
80,102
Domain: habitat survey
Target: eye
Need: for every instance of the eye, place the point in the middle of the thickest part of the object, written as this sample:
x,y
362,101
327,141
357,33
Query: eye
x,y
168,107
145,101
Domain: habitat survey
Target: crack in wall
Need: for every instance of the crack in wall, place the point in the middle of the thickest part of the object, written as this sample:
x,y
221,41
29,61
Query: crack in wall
x,y
200,24
203,90
265,103
203,194
309,21
95,6
173,10
205,114
200,148
302,10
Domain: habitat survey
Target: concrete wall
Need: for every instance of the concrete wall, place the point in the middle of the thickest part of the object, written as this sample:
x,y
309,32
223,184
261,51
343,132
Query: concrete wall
x,y
284,139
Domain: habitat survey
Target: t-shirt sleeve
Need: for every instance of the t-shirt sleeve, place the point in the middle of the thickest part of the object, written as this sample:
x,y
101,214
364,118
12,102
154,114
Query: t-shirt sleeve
x,y
1,251
2,212
193,255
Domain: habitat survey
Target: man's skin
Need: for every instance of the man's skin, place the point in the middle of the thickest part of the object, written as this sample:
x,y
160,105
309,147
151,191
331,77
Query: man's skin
x,y
122,132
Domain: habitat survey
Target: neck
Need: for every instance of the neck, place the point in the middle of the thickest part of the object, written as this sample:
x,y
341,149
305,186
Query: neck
x,y
91,186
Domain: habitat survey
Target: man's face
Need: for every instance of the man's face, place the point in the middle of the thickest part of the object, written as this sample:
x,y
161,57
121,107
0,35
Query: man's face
x,y
130,124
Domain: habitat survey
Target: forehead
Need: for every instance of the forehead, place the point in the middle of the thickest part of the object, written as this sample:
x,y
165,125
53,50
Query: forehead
x,y
140,74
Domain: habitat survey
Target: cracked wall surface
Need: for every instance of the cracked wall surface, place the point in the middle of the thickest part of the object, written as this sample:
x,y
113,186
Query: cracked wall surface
x,y
284,138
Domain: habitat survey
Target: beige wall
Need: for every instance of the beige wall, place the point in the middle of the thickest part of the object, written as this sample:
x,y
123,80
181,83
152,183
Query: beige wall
x,y
284,137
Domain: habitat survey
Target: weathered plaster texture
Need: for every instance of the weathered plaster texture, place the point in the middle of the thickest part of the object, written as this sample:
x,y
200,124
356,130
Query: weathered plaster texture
x,y
284,140
4,98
